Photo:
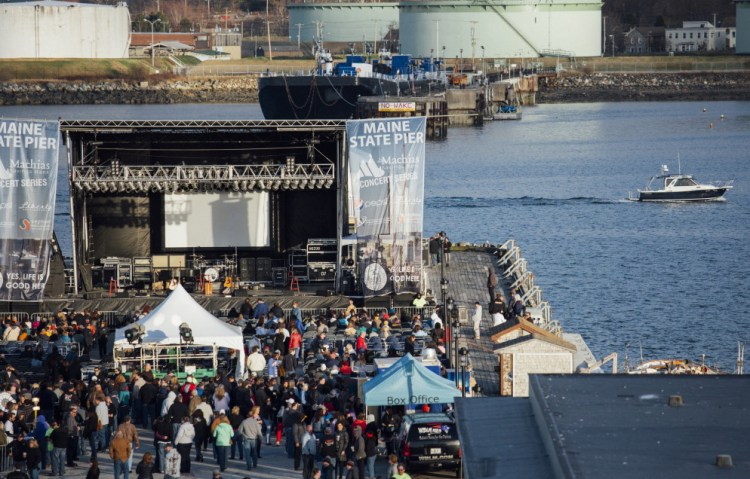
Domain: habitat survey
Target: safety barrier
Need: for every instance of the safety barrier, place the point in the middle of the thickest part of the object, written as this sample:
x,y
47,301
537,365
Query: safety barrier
x,y
21,317
6,463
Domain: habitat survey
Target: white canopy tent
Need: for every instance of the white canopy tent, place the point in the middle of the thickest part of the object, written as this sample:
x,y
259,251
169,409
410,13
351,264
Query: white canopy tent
x,y
162,327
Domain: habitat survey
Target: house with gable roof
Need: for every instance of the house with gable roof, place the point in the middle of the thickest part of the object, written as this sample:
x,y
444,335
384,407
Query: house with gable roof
x,y
524,348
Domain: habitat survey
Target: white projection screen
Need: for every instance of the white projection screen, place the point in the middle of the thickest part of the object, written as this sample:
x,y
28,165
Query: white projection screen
x,y
216,220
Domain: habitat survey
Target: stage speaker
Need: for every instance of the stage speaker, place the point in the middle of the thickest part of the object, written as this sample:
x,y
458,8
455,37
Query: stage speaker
x,y
325,292
247,270
241,293
264,270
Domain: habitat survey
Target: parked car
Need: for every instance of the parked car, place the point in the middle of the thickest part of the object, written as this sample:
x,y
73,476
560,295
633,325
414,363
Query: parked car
x,y
429,440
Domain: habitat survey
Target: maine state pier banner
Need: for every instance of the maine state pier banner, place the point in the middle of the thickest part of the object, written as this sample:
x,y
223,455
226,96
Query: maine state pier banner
x,y
28,185
386,196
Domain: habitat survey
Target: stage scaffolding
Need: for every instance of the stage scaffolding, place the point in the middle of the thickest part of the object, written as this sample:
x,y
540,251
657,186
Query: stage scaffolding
x,y
164,357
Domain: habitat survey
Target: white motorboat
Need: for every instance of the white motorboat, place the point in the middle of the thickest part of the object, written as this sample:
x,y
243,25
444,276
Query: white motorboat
x,y
678,187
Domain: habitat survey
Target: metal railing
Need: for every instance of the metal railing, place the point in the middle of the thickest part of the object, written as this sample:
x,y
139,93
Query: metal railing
x,y
20,317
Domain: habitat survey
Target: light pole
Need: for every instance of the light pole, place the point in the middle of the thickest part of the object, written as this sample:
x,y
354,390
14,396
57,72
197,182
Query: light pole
x,y
455,325
483,71
464,355
461,60
612,37
152,23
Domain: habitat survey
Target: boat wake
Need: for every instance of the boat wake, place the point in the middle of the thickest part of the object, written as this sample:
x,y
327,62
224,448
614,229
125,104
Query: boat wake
x,y
479,202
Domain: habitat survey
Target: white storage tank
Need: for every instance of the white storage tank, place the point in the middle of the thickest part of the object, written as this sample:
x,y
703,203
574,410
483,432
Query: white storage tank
x,y
342,22
743,27
505,28
50,29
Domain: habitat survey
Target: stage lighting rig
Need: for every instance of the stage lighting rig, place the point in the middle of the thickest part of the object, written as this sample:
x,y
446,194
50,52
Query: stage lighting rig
x,y
186,333
135,334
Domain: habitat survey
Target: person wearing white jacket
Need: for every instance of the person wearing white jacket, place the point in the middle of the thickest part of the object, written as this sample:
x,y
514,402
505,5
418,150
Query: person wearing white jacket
x,y
168,401
183,442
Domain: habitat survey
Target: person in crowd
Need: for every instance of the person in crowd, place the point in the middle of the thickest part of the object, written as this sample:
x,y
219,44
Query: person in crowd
x,y
33,459
309,450
172,462
476,319
93,472
130,433
222,435
183,442
491,282
59,439
251,431
145,468
202,433
119,452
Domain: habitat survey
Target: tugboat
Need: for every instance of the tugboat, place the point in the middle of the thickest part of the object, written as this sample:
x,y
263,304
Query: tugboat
x,y
679,187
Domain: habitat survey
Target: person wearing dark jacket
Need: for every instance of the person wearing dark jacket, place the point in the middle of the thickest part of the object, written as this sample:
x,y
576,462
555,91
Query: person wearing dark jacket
x,y
371,448
298,432
202,431
59,438
162,436
290,365
34,459
176,412
342,446
145,468
93,472
147,394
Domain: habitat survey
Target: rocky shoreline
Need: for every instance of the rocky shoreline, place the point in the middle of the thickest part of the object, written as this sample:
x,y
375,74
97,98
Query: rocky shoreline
x,y
214,90
644,87
564,89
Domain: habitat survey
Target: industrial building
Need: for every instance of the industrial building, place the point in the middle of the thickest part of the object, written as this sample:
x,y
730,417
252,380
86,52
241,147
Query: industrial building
x,y
459,28
50,29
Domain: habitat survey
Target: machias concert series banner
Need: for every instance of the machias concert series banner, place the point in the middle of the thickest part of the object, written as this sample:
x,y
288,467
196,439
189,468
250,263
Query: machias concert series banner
x,y
28,184
386,195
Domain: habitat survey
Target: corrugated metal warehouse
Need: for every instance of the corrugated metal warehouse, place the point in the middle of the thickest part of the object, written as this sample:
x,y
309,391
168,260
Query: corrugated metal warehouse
x,y
50,29
453,28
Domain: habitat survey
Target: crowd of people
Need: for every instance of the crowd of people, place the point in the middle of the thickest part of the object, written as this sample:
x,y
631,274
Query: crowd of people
x,y
298,393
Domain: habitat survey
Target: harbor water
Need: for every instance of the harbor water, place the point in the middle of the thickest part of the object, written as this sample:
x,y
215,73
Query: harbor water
x,y
657,280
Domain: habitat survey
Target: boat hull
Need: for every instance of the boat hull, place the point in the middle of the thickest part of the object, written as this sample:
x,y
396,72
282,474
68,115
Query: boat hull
x,y
318,97
706,194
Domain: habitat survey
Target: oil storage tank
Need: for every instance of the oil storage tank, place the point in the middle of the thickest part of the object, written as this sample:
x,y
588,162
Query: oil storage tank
x,y
342,22
505,28
743,27
51,29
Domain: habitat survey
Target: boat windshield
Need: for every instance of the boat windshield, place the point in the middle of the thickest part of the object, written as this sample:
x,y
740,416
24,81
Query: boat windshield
x,y
682,181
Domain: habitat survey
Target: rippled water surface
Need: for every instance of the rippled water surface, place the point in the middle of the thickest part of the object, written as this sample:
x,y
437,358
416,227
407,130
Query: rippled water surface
x,y
672,279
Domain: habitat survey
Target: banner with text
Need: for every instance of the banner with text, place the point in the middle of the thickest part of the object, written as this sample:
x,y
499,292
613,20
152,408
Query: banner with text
x,y
28,186
386,194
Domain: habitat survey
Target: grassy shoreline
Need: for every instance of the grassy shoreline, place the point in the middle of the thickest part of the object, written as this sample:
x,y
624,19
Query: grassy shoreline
x,y
139,69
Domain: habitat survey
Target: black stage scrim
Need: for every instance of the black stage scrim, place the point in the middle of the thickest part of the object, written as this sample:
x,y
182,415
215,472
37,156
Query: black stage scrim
x,y
121,225
386,193
28,184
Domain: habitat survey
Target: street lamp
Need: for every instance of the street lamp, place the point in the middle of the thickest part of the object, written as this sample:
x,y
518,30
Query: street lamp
x,y
612,37
464,354
483,71
152,23
461,60
455,325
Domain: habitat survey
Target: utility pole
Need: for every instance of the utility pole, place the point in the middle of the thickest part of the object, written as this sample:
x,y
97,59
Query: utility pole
x,y
473,43
604,35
